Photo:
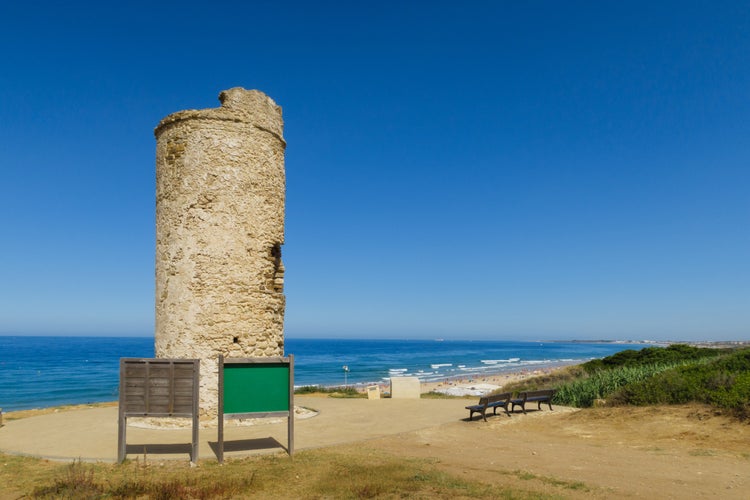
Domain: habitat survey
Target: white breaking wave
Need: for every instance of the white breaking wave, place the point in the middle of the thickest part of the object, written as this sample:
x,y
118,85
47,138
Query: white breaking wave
x,y
498,361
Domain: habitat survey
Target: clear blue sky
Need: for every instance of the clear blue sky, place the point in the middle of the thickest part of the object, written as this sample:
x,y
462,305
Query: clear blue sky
x,y
517,170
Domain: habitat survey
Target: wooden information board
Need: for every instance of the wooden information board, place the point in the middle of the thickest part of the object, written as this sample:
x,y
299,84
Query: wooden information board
x,y
256,388
158,388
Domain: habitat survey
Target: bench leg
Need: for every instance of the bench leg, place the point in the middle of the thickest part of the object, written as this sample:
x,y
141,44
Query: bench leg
x,y
549,403
472,412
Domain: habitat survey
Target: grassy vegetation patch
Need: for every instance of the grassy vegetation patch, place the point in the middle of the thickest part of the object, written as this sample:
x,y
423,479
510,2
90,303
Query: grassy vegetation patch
x,y
382,477
570,485
583,392
312,474
334,392
701,452
555,378
723,382
135,480
442,395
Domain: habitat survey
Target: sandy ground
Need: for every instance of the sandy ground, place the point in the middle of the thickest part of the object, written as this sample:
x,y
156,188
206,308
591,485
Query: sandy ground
x,y
90,434
654,452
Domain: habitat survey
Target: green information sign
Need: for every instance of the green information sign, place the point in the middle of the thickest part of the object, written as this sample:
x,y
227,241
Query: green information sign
x,y
256,387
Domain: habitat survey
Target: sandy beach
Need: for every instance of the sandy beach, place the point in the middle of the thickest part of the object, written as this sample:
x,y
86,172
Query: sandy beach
x,y
476,386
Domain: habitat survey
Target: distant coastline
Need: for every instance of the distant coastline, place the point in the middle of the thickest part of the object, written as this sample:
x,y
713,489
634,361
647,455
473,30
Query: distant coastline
x,y
716,344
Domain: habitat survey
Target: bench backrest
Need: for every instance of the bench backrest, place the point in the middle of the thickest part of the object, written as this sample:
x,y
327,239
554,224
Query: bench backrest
x,y
494,398
535,394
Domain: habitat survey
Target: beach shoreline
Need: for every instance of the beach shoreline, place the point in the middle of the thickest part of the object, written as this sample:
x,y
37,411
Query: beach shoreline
x,y
474,386
466,385
489,382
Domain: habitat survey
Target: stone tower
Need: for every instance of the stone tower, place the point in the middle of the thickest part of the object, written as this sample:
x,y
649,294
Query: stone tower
x,y
220,189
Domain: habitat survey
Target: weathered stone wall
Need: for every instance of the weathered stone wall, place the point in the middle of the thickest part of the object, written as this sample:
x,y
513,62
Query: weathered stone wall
x,y
220,189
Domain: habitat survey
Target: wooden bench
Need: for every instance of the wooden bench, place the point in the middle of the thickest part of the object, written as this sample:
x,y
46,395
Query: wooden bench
x,y
539,397
493,401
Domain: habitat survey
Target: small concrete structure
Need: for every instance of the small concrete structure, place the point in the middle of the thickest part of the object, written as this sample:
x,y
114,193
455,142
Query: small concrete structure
x,y
373,392
405,388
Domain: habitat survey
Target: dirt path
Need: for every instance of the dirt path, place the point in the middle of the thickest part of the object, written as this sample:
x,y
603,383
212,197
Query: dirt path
x,y
663,452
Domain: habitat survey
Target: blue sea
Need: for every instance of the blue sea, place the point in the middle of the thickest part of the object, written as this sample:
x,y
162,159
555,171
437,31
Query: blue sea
x,y
38,372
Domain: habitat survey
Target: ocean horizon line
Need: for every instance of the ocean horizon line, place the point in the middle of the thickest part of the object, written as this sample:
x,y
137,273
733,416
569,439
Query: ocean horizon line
x,y
395,338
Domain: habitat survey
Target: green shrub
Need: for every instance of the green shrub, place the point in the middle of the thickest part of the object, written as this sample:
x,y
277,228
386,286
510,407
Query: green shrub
x,y
735,398
584,391
670,387
723,382
338,392
653,355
